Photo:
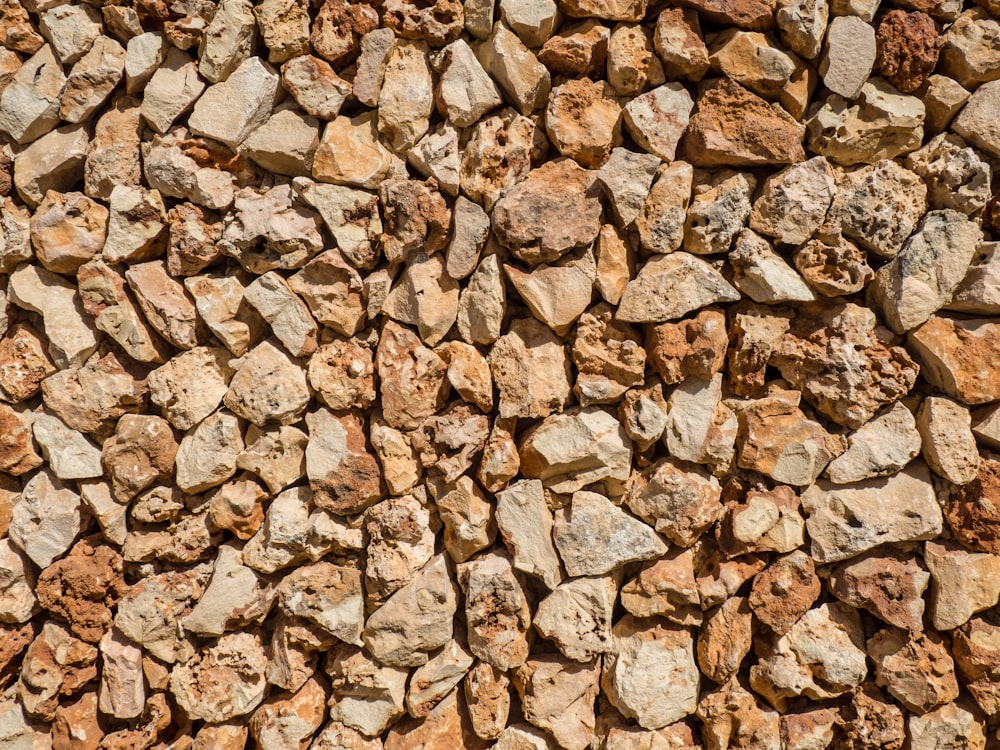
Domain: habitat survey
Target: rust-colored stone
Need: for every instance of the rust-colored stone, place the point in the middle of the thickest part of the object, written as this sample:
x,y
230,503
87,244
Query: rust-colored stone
x,y
908,47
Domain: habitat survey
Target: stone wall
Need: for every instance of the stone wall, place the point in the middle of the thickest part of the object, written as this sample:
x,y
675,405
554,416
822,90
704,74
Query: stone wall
x,y
527,374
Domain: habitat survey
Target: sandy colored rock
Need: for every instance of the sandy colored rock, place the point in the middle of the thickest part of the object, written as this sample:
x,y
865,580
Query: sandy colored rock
x,y
29,104
225,681
793,203
848,55
889,583
207,454
670,286
962,583
949,446
90,398
191,385
350,153
660,223
268,385
680,500
916,669
763,275
524,80
725,640
880,447
496,610
526,525
750,59
955,354
28,364
665,587
559,698
765,521
657,119
368,697
413,377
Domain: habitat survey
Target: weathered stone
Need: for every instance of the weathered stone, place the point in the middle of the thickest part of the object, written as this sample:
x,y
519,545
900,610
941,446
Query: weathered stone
x,y
680,500
631,63
915,668
207,454
848,55
53,162
794,202
962,583
366,697
342,470
578,49
413,378
47,519
524,80
783,592
224,681
753,61
496,610
764,522
29,103
943,99
880,447
975,652
268,386
559,697
171,91
908,47
576,616
762,274
185,167
26,363
845,520
956,356
350,153
889,583
497,156
660,223
725,640
719,210
91,398
665,588
731,715
526,524
670,286
657,119
833,266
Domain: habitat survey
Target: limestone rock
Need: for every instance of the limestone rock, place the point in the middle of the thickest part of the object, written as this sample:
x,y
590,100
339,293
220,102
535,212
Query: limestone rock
x,y
833,266
350,153
794,202
559,698
341,468
531,371
526,526
47,519
753,61
268,385
665,588
848,56
224,681
915,668
725,640
413,377
28,364
783,593
173,88
948,724
164,303
880,447
955,356
207,454
576,616
29,103
69,453
524,80
67,230
632,65
657,119
888,582
329,596
977,121
762,274
680,500
957,177
367,697
53,162
670,286
315,86
660,223
496,610
949,446
962,583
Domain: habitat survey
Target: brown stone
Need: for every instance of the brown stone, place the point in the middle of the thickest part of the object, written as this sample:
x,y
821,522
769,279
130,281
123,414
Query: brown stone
x,y
748,14
732,127
973,512
142,451
915,668
958,356
193,233
908,47
785,591
689,347
437,23
888,583
338,28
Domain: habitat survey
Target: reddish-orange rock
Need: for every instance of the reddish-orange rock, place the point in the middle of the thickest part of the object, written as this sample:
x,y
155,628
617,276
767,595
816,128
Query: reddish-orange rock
x,y
733,127
17,453
141,451
748,14
959,357
14,639
76,726
81,588
24,363
973,510
908,46
338,28
690,347
437,22
785,591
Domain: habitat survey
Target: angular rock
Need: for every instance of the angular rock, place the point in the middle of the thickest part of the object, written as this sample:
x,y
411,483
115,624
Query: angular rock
x,y
680,500
524,80
956,356
207,454
880,447
496,610
268,386
915,668
848,55
576,616
526,524
670,286
559,698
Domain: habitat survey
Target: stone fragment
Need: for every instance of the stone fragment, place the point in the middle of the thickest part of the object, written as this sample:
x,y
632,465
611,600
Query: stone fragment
x,y
424,297
366,697
928,269
17,590
943,99
207,454
413,378
725,640
526,525
290,721
762,274
315,86
171,91
141,452
29,103
908,47
401,541
665,588
653,697
71,30
497,155
223,681
956,356
70,454
880,447
342,470
783,592
962,583
660,224
53,162
670,286
833,266
67,230
794,202
416,219
15,230
341,373
880,123
576,616
144,54
680,500
17,451
975,652
496,610
764,522
184,167
287,315
731,714
718,211
329,596
465,92
694,347
968,54
915,668
122,692
631,63
558,697
950,724
25,363
436,23
47,519
268,386
415,620
583,121
276,455
284,26
487,698
753,61
850,519
579,48
531,371
285,144
949,446
166,306
521,219
350,153
91,398
524,81
135,225
860,193
733,127
957,177
888,583
91,80
227,40
657,119
822,656
219,303
407,95
849,55
469,525
55,663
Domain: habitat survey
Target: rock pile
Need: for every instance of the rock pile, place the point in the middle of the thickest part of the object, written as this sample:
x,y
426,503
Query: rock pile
x,y
527,374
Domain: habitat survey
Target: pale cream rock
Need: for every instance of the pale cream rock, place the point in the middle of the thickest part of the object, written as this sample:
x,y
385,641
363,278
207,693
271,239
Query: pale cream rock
x,y
558,697
465,92
469,232
483,303
287,315
986,425
92,79
924,275
29,104
803,25
957,177
533,21
366,697
406,99
670,286
979,120
665,588
859,196
171,91
135,225
285,144
53,162
219,302
290,721
276,455
846,520
626,178
424,296
523,737
752,60
71,339
524,80
608,355
415,620
496,610
233,598
657,119
70,29
227,40
881,447
557,294
352,216
296,531
17,584
342,374
401,540
169,168
969,54
594,536
763,275
350,152
631,64
487,699
651,675
432,682
949,447
333,291
526,524
863,9
70,454
469,523
680,500
962,583
821,656
15,236
956,355
576,616
268,385
794,202
718,211
848,55
468,373
91,397
122,693
67,230
232,109
497,155
162,299
225,680
879,124
207,454
569,451
143,55
284,25
317,88
438,155
18,731
47,519
531,370
699,427
943,99
376,45
950,725
337,736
